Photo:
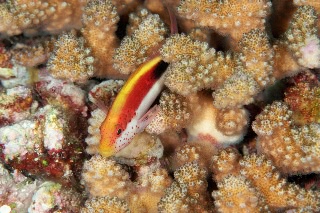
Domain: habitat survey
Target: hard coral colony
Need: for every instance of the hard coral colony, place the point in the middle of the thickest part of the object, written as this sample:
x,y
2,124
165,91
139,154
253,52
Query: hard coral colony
x,y
235,128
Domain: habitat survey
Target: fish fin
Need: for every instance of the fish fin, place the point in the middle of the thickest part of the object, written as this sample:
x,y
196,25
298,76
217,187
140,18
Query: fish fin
x,y
146,119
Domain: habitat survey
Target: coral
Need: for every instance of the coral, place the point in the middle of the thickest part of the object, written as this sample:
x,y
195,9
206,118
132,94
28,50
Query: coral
x,y
16,104
199,152
93,138
277,192
48,144
205,123
301,37
238,116
99,25
304,99
174,114
105,93
192,66
150,185
106,205
236,194
16,190
257,56
227,17
143,149
299,46
104,177
62,93
52,196
5,57
31,55
71,60
287,145
313,3
225,163
125,6
135,49
254,183
32,17
237,90
188,191
237,77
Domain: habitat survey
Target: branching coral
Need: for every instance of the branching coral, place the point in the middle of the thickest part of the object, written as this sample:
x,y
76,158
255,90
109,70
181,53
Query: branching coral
x,y
238,77
299,46
104,177
71,60
225,163
100,23
106,204
36,53
174,114
286,144
277,192
188,192
144,41
255,184
236,194
227,17
32,17
140,196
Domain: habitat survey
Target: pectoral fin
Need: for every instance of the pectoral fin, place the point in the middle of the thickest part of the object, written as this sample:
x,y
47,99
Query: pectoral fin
x,y
146,119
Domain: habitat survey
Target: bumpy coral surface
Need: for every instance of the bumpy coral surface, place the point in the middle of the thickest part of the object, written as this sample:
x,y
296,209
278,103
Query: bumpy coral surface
x,y
71,60
234,127
287,144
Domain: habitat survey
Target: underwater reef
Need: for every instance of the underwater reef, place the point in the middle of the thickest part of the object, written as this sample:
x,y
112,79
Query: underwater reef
x,y
235,128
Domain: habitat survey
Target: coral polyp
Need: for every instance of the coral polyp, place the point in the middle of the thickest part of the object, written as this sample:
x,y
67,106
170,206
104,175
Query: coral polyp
x,y
199,106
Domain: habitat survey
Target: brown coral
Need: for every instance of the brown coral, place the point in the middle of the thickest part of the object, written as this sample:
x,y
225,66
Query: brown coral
x,y
32,55
106,204
32,17
254,184
104,177
143,43
286,144
100,20
174,114
277,192
71,60
188,192
225,163
227,17
236,194
299,46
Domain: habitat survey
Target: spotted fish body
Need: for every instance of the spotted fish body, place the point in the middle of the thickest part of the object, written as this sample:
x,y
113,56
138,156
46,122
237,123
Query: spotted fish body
x,y
124,119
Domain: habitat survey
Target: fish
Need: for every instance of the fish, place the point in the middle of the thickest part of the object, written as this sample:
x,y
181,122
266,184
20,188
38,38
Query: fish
x,y
130,114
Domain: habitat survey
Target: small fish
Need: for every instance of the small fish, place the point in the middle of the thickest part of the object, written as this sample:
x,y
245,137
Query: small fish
x,y
129,113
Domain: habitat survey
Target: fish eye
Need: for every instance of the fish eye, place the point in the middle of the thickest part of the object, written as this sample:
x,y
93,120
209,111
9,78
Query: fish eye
x,y
119,131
